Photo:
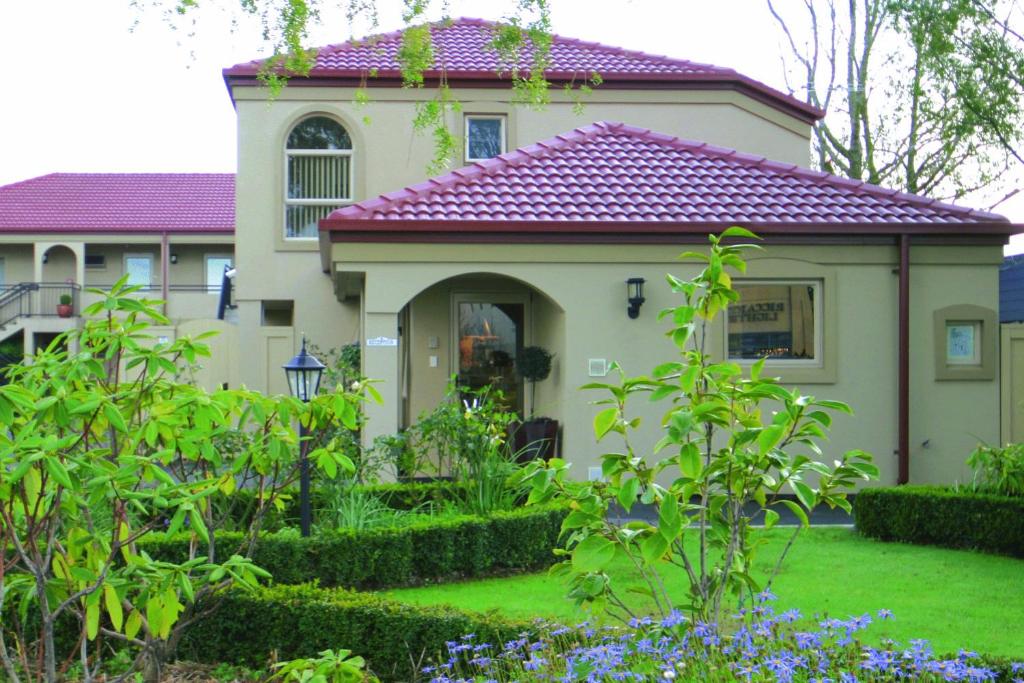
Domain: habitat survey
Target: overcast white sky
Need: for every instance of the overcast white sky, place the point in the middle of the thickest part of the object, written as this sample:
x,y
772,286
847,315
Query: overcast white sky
x,y
83,92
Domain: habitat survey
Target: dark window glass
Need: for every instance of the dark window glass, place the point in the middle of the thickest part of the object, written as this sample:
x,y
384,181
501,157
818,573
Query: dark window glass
x,y
490,338
484,138
773,320
319,132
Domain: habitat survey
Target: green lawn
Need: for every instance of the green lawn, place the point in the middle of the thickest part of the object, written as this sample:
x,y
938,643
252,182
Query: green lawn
x,y
952,598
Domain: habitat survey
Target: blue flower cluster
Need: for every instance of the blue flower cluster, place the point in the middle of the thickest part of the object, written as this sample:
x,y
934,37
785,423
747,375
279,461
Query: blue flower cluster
x,y
761,646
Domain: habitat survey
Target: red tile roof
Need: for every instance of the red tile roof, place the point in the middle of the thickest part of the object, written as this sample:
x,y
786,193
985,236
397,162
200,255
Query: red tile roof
x,y
614,174
120,202
462,49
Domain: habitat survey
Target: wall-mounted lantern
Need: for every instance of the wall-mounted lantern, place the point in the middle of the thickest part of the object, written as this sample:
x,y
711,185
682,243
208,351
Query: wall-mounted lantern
x,y
173,259
634,296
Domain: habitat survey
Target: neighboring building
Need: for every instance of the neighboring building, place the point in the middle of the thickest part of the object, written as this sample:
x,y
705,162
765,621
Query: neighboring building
x,y
1011,290
533,242
64,233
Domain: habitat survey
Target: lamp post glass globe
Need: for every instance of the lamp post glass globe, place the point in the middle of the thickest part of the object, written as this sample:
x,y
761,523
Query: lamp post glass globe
x,y
304,372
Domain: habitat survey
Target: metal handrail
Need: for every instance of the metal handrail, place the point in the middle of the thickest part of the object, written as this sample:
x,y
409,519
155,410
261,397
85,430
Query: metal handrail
x,y
35,299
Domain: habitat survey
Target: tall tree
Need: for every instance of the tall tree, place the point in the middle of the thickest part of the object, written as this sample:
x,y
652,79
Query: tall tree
x,y
926,96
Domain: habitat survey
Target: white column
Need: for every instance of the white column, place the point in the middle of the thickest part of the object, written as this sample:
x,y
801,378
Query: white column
x,y
380,362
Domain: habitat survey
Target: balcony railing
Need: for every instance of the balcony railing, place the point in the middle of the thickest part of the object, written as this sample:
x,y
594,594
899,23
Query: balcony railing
x,y
37,299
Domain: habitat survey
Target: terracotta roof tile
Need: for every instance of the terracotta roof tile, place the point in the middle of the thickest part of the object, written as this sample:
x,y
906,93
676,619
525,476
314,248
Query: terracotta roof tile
x,y
611,172
462,49
120,202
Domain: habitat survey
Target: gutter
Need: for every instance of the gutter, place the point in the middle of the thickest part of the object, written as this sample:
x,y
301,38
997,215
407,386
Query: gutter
x,y
165,268
903,362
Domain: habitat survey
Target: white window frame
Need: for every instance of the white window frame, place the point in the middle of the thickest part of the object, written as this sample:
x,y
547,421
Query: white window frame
x,y
819,324
289,153
215,289
146,256
502,118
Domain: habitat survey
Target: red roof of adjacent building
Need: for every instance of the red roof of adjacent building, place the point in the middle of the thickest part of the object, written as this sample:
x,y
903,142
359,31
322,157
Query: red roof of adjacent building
x,y
462,51
120,202
622,177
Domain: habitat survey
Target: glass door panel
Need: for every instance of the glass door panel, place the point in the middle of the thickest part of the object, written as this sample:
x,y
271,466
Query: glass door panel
x,y
490,336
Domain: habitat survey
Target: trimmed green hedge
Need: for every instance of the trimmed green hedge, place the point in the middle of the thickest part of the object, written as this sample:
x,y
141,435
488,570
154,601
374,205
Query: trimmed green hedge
x,y
450,548
933,515
397,640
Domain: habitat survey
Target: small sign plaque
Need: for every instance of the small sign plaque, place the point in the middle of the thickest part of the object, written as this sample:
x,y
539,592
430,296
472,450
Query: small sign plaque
x,y
382,341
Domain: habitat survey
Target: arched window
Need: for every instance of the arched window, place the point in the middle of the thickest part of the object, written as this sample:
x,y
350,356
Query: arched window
x,y
318,158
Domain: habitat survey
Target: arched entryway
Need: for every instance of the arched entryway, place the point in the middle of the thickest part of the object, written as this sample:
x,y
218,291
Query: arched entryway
x,y
473,327
59,265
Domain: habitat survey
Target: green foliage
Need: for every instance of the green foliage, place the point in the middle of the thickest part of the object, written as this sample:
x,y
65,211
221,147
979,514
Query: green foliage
x,y
534,365
999,470
926,96
103,446
932,515
466,437
344,506
435,550
729,437
299,621
402,497
328,667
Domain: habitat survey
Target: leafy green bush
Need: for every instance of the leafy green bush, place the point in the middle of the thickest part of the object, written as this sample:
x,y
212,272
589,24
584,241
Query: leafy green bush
x,y
932,515
999,469
447,548
300,621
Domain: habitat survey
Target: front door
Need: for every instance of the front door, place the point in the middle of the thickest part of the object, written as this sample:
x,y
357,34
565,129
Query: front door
x,y
489,332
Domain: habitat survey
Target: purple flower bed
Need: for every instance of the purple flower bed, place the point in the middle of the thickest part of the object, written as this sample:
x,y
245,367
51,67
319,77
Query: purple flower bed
x,y
761,645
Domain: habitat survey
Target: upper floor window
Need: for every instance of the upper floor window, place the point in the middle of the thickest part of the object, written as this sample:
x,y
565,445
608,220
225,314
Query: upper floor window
x,y
777,320
215,268
139,268
485,137
318,160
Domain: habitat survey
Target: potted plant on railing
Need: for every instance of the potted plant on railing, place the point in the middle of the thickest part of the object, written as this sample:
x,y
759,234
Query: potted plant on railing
x,y
64,308
536,437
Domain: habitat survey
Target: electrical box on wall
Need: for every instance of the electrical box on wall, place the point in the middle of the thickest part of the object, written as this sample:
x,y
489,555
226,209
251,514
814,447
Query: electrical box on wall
x,y
597,367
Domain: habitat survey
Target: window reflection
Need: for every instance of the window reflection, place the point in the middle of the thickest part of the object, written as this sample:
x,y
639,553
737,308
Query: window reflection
x,y
484,138
490,336
774,321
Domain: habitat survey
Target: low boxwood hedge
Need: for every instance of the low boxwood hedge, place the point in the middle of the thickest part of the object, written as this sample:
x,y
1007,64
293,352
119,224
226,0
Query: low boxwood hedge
x,y
397,640
448,548
933,515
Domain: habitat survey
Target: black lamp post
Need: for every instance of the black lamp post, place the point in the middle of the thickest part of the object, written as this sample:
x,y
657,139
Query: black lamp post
x,y
304,372
634,296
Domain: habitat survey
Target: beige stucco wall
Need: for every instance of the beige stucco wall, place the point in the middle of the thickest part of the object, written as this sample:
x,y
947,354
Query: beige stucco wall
x,y
17,263
859,322
387,156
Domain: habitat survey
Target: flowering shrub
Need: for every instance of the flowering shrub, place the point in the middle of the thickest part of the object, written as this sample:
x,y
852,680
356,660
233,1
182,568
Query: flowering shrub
x,y
761,645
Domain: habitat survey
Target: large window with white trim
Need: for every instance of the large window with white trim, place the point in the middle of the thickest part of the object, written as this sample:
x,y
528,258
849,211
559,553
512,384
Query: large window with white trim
x,y
780,320
318,174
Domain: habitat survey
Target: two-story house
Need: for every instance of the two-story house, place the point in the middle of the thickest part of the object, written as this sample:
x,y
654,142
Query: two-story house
x,y
863,294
